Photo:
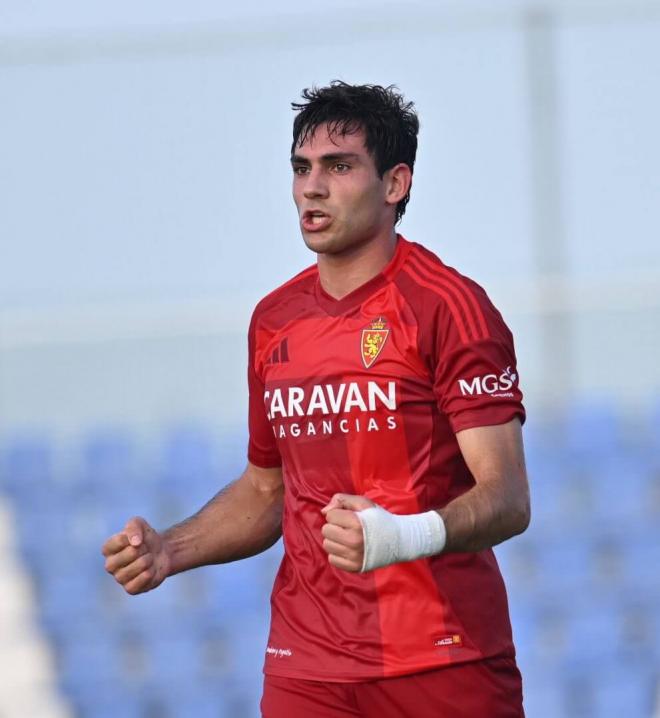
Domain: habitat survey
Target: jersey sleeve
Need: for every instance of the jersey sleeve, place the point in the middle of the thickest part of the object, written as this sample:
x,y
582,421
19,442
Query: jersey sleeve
x,y
262,445
476,379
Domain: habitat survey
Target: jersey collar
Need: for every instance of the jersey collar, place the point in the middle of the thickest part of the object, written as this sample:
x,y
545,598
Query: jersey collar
x,y
335,307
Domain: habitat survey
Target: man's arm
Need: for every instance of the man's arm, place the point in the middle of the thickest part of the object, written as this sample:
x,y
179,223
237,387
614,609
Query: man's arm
x,y
497,507
493,510
243,519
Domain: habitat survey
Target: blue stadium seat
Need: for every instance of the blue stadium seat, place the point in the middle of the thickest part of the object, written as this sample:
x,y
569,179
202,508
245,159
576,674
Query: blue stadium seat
x,y
543,437
654,425
542,696
189,473
524,627
108,458
593,637
641,552
577,689
562,493
189,454
549,635
566,566
88,661
138,500
68,597
639,638
609,564
593,427
105,702
247,641
519,562
27,457
196,701
65,529
180,602
547,481
239,586
39,533
174,656
624,692
27,468
145,613
243,704
623,487
232,454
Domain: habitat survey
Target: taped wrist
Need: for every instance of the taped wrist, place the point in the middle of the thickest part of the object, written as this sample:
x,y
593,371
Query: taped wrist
x,y
391,538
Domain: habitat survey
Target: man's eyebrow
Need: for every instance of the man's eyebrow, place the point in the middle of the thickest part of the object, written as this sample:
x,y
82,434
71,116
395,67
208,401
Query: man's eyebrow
x,y
331,157
334,156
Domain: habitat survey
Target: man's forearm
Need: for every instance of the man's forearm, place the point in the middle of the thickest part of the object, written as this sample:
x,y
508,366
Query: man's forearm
x,y
483,517
360,535
243,519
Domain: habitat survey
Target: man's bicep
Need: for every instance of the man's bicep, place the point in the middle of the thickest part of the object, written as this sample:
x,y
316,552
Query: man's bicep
x,y
495,453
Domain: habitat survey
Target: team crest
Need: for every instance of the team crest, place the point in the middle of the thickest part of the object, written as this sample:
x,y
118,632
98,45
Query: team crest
x,y
373,341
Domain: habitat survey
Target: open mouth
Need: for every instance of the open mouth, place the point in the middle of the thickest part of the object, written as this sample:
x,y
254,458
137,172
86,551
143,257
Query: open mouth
x,y
315,220
314,215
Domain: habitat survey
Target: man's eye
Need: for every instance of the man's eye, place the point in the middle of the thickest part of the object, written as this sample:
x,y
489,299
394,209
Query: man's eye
x,y
300,170
342,167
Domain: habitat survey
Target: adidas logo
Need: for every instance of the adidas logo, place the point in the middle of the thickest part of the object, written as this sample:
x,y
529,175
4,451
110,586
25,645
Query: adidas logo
x,y
280,354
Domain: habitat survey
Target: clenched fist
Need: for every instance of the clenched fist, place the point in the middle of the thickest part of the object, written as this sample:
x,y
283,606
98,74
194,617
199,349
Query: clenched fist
x,y
343,538
137,557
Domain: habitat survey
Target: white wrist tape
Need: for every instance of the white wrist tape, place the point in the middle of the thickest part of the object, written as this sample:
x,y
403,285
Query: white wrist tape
x,y
391,538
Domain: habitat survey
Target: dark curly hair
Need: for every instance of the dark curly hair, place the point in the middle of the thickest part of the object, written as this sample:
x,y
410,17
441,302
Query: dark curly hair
x,y
389,123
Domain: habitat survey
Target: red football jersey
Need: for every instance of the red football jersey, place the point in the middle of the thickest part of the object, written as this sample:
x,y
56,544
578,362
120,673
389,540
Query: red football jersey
x,y
364,395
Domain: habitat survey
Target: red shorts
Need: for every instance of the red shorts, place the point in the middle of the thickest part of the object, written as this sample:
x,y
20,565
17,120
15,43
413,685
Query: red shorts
x,y
491,688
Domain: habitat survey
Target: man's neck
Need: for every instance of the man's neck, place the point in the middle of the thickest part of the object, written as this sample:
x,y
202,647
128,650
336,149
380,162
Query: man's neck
x,y
341,274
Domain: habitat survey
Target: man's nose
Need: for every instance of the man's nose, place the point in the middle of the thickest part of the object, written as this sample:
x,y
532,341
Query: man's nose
x,y
315,184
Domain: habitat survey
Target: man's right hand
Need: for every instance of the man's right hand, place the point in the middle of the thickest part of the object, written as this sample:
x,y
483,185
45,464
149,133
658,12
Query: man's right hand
x,y
137,557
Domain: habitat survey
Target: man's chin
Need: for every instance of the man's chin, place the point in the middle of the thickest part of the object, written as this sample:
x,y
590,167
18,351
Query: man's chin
x,y
320,242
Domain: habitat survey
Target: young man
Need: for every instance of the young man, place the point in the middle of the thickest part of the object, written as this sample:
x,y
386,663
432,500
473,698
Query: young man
x,y
385,445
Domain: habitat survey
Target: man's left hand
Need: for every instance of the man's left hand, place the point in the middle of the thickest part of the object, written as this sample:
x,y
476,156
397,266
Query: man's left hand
x,y
343,539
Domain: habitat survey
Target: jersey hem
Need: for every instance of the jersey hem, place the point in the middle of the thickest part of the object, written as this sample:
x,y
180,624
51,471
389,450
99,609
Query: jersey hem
x,y
364,677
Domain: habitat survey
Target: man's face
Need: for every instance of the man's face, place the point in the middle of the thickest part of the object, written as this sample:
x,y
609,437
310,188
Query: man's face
x,y
341,200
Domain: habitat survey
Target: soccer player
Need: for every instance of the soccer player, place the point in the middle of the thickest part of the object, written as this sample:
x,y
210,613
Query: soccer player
x,y
385,446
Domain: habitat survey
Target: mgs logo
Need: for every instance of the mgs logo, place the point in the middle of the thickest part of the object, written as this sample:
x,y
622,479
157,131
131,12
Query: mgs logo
x,y
489,384
373,341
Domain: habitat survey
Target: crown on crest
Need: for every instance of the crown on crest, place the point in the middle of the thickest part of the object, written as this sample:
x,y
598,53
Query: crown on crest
x,y
379,323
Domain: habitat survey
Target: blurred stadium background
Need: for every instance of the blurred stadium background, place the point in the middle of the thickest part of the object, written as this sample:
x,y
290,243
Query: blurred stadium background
x,y
145,208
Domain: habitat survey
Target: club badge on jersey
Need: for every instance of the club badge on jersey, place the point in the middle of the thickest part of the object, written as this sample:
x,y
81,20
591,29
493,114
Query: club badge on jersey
x,y
373,340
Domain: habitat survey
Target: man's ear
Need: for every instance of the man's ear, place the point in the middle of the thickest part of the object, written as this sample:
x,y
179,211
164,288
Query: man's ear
x,y
398,180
